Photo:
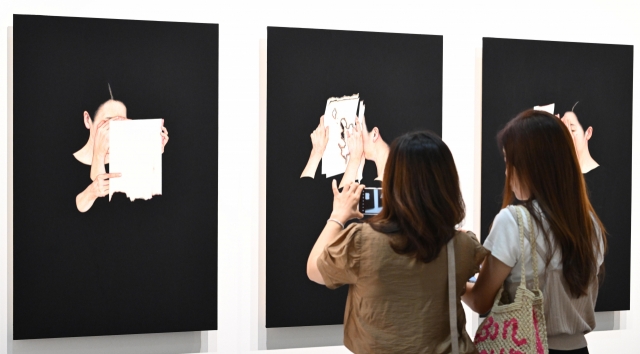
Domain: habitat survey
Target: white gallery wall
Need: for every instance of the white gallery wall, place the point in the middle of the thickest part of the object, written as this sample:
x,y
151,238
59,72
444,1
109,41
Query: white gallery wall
x,y
242,134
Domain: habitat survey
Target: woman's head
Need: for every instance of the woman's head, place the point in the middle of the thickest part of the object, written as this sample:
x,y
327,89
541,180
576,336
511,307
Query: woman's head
x,y
579,128
541,165
540,158
421,195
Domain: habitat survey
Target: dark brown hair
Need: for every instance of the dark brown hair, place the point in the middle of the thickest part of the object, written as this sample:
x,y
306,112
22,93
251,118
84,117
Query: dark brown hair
x,y
422,202
540,154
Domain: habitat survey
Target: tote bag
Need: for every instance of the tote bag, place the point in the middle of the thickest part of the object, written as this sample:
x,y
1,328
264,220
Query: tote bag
x,y
518,327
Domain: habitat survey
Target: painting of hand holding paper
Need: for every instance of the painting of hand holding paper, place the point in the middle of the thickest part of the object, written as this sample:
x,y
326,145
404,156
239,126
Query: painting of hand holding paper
x,y
318,85
132,147
340,116
107,262
344,143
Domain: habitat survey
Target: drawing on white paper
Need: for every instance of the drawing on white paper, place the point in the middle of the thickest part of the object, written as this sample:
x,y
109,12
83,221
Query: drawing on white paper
x,y
343,142
342,112
550,108
340,131
136,153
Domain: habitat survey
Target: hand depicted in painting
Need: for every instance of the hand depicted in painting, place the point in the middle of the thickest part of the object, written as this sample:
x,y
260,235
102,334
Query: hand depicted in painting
x,y
345,129
581,139
355,145
165,137
101,146
96,151
319,139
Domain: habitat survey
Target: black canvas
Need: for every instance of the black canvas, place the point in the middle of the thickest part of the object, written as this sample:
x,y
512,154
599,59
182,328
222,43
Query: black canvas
x,y
122,267
519,74
399,78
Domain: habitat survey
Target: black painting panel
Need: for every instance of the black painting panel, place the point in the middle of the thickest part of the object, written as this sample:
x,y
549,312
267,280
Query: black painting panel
x,y
398,76
519,74
122,267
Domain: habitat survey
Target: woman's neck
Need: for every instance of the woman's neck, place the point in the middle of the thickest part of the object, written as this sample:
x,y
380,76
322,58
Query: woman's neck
x,y
587,163
85,155
380,158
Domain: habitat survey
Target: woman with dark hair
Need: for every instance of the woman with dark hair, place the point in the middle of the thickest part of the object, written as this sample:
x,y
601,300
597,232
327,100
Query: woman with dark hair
x,y
396,263
544,175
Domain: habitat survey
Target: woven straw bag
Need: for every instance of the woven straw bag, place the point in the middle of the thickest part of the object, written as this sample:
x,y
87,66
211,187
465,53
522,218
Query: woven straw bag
x,y
518,327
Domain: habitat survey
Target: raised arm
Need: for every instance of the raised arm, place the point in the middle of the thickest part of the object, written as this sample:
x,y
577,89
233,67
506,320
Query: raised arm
x,y
356,155
345,208
100,149
319,139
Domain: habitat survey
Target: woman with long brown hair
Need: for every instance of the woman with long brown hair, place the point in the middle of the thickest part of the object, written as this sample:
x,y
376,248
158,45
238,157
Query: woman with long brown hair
x,y
396,262
543,174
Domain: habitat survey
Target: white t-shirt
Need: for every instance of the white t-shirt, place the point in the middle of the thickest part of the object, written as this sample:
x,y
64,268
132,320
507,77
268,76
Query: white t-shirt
x,y
504,243
568,318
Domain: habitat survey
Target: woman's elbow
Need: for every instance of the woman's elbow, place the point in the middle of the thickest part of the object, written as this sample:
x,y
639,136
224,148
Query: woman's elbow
x,y
310,271
475,302
313,273
482,307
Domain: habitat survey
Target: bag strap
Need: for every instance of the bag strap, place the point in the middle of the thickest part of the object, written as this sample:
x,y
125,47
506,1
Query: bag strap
x,y
534,253
453,299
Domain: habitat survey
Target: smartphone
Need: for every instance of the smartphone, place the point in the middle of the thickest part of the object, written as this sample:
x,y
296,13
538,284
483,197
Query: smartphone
x,y
371,201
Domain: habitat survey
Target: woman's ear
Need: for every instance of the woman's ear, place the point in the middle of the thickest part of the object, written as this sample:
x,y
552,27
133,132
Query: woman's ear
x,y
588,133
87,120
375,134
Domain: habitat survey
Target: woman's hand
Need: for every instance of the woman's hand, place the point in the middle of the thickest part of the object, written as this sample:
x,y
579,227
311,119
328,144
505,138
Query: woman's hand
x,y
165,136
345,207
355,143
356,155
101,141
567,123
319,138
100,186
345,203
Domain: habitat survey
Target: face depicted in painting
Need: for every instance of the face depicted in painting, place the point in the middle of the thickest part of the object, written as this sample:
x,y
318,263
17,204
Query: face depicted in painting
x,y
109,110
581,137
375,148
579,134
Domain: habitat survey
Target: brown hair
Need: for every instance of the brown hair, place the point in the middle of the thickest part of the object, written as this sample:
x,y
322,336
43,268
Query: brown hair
x,y
422,198
540,154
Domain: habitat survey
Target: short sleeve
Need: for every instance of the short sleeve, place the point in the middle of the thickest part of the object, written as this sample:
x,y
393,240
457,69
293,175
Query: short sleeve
x,y
504,238
339,262
479,252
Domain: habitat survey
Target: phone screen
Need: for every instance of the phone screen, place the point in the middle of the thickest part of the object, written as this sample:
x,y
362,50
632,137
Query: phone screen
x,y
371,201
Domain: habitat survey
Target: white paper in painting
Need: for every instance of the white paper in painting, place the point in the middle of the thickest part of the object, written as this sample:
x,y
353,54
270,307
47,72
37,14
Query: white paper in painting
x,y
360,120
135,151
339,116
550,108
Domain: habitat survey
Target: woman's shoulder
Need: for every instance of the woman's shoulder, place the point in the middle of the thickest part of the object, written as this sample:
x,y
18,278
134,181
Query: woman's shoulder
x,y
503,229
469,251
506,218
466,237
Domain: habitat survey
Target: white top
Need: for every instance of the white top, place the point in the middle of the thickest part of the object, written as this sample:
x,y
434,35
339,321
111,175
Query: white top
x,y
568,319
